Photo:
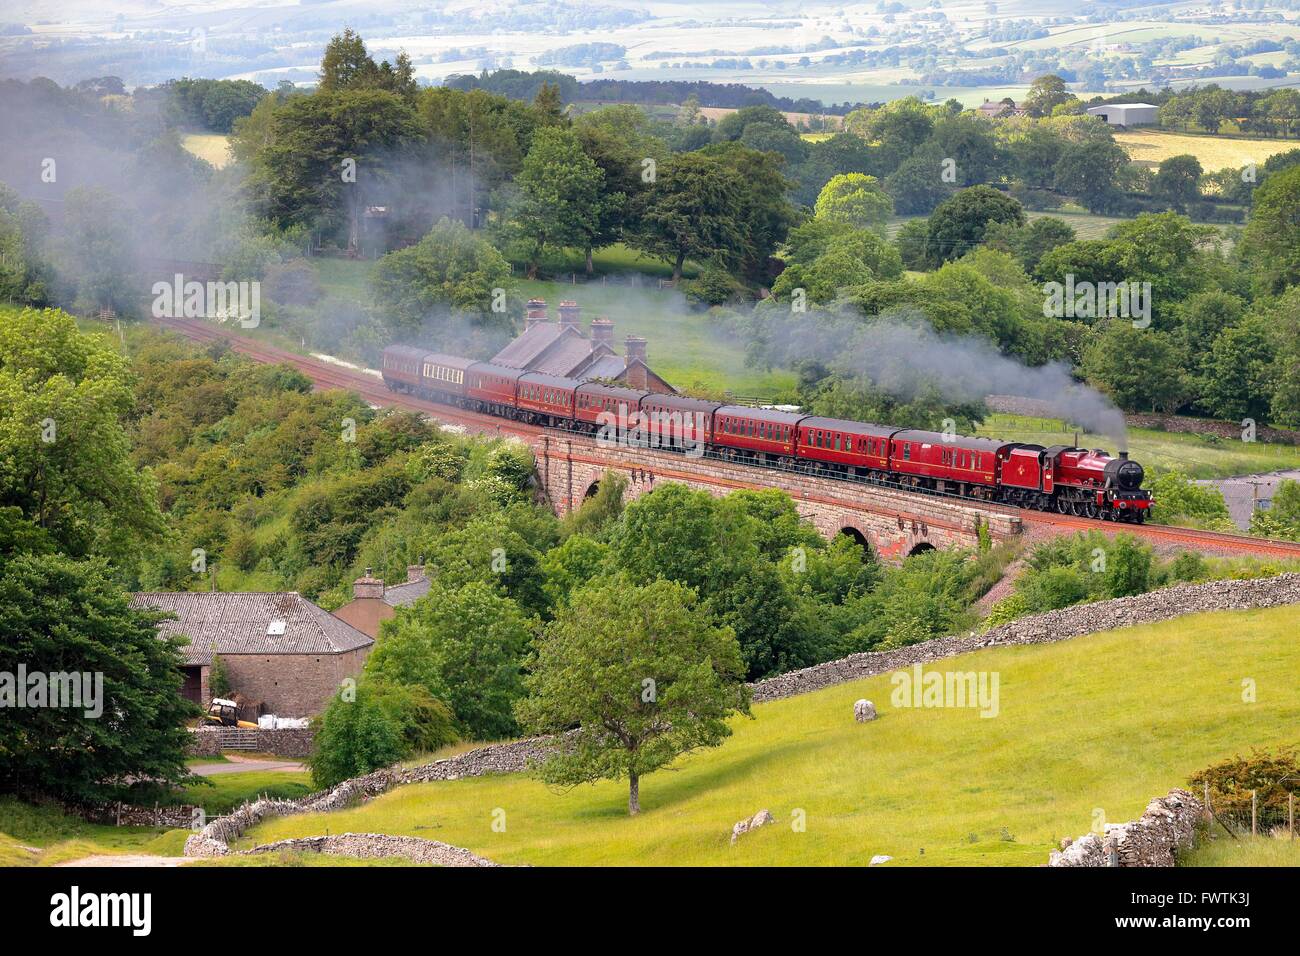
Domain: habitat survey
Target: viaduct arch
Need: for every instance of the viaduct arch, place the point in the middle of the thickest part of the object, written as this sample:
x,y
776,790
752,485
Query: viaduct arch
x,y
893,524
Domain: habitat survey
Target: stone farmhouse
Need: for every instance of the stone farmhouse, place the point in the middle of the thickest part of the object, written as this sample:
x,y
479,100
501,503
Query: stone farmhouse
x,y
280,649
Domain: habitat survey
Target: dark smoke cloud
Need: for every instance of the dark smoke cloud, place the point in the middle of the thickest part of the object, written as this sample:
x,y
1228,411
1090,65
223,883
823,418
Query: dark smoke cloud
x,y
903,355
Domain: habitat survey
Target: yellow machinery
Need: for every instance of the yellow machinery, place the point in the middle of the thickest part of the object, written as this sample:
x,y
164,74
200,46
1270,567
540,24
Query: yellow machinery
x,y
222,713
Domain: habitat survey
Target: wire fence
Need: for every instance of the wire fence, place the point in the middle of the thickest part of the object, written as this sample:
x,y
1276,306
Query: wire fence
x,y
1264,811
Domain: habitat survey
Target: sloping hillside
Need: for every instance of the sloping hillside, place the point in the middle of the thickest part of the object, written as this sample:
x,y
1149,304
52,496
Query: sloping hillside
x,y
1099,723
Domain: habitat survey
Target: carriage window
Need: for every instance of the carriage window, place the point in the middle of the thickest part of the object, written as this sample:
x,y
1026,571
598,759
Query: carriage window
x,y
907,451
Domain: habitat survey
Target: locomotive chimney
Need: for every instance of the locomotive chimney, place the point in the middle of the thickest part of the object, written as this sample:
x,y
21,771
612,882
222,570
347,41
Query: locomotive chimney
x,y
602,333
635,348
1123,454
536,313
569,315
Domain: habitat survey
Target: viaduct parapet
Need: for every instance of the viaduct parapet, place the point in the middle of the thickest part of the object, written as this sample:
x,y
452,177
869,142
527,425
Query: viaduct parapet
x,y
893,523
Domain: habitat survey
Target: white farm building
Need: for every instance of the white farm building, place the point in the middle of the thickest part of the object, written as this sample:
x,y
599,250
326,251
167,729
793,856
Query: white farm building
x,y
1125,114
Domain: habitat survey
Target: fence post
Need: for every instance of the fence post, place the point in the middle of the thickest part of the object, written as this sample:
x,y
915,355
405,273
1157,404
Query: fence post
x,y
1290,813
1209,814
1254,812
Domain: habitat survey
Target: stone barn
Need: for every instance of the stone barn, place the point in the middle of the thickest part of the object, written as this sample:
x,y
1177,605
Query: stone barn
x,y
278,648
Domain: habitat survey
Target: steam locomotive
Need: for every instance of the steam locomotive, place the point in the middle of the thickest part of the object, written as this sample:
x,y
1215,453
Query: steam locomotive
x,y
1078,481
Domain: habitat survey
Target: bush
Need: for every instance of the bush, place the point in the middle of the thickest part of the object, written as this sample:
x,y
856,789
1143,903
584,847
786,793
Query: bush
x,y
1010,608
1053,588
1271,775
356,734
714,286
219,677
1128,567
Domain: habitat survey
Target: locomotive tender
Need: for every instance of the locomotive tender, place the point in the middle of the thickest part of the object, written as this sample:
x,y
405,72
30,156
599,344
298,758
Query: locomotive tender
x,y
1078,481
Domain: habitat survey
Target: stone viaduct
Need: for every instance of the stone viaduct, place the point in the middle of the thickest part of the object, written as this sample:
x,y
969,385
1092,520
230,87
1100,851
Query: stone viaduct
x,y
894,524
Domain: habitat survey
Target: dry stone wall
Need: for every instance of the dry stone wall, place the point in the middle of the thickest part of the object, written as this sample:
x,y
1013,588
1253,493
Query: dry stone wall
x,y
1167,826
1047,628
373,846
285,742
215,838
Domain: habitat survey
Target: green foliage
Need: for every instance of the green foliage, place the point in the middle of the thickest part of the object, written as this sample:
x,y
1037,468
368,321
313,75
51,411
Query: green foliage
x,y
210,104
219,677
1139,368
62,616
346,65
1128,567
95,253
1282,519
25,274
959,224
450,273
639,674
464,646
1272,237
856,200
356,734
1010,608
598,512
557,198
714,286
1272,776
66,398
1179,180
1178,500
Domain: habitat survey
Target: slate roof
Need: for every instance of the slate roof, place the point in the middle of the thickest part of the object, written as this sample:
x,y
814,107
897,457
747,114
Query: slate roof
x,y
565,357
609,366
399,595
237,623
526,349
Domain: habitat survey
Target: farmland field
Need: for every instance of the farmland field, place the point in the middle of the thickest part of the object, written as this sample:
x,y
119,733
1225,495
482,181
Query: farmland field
x,y
210,147
1213,152
925,786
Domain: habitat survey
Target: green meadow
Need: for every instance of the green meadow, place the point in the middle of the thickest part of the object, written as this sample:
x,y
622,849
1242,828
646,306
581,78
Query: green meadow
x,y
1104,722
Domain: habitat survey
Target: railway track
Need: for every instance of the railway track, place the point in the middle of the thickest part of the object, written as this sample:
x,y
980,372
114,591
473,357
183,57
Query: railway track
x,y
372,389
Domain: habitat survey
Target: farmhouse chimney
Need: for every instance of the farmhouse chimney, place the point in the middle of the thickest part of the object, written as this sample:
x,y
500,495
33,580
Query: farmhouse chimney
x,y
367,587
569,314
536,313
635,349
415,572
602,333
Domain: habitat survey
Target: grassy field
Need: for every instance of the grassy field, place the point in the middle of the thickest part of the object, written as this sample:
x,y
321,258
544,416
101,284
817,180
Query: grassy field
x,y
226,791
1196,456
44,835
1213,152
1248,851
210,147
1106,721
